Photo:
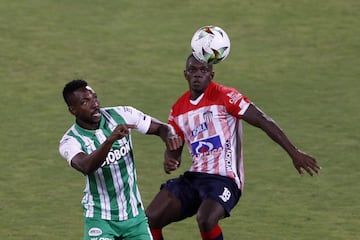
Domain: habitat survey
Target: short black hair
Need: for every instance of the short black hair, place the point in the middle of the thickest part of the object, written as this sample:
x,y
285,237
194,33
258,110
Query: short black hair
x,y
192,55
71,87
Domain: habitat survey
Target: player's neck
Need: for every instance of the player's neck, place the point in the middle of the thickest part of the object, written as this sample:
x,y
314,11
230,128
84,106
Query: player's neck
x,y
87,125
196,100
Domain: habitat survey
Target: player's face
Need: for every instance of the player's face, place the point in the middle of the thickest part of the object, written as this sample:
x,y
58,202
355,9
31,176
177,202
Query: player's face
x,y
198,75
86,108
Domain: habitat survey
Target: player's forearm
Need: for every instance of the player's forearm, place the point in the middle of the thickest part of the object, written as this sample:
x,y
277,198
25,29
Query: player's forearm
x,y
173,154
94,160
158,128
163,130
278,136
256,117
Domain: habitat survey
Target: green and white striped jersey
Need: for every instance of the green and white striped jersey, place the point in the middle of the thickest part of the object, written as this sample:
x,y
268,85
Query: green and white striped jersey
x,y
111,191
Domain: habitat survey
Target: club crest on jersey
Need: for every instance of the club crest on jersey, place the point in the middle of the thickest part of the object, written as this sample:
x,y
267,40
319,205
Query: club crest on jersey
x,y
206,146
208,115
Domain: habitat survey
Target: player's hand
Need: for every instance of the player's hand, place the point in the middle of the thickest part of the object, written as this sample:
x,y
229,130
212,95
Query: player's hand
x,y
173,142
303,161
121,131
170,164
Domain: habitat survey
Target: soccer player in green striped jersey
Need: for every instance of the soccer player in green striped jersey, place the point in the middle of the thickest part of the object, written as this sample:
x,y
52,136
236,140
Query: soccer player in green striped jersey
x,y
99,145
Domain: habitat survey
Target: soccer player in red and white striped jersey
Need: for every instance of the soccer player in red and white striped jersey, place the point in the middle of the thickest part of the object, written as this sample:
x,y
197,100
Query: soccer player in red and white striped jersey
x,y
208,118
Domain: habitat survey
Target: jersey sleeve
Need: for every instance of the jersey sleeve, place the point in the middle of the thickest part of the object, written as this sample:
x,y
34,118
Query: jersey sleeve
x,y
173,124
235,102
134,116
69,147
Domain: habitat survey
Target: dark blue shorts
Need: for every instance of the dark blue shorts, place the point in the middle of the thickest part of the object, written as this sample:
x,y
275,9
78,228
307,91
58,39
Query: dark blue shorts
x,y
192,188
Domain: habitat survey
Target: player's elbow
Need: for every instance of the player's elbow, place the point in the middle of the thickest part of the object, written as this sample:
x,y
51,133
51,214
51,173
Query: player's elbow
x,y
84,169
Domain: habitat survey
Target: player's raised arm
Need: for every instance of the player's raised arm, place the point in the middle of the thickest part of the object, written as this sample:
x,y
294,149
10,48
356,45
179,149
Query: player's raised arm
x,y
302,161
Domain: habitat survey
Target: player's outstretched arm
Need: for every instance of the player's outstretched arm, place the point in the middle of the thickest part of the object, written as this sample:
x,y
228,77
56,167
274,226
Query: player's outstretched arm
x,y
302,161
166,133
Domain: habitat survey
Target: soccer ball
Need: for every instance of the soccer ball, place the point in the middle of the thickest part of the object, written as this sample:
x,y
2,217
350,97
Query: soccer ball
x,y
210,44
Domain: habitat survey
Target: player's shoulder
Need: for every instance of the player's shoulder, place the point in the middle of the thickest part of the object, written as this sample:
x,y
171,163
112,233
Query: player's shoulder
x,y
68,132
184,98
226,92
68,136
221,89
119,109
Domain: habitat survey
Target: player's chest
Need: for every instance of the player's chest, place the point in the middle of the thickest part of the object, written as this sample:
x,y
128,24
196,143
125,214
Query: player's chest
x,y
206,120
93,142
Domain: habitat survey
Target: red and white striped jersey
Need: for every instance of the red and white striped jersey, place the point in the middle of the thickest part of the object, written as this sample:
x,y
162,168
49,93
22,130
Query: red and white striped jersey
x,y
211,128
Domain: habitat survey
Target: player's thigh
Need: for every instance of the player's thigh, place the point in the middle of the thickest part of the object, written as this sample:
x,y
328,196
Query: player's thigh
x,y
176,200
210,212
218,189
165,207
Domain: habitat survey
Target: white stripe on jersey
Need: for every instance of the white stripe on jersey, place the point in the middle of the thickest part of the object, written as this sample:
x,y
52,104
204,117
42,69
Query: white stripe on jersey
x,y
239,154
100,136
88,201
118,184
131,182
104,195
138,194
244,106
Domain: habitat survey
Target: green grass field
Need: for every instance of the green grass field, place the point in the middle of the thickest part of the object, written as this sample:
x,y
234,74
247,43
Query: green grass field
x,y
297,60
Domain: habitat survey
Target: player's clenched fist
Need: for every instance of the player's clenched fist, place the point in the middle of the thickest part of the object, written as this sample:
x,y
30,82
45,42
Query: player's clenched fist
x,y
121,131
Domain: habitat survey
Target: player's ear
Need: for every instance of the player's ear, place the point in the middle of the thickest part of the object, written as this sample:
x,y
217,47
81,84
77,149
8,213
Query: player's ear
x,y
71,110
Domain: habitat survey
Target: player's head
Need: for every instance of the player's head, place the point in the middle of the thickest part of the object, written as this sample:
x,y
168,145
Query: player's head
x,y
82,103
71,87
198,74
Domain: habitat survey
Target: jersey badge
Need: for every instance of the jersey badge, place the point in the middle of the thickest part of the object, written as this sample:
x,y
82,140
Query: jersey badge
x,y
206,146
208,116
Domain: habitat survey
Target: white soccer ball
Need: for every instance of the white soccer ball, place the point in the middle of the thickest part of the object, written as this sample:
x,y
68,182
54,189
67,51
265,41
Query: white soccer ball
x,y
210,44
